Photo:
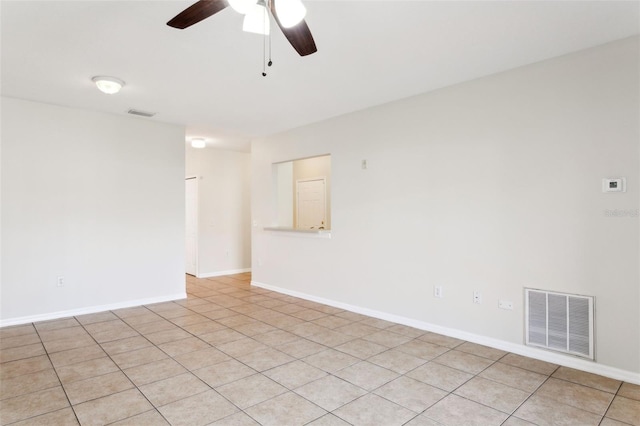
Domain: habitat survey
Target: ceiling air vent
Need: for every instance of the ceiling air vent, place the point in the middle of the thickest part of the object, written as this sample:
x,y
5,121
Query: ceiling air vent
x,y
141,113
560,322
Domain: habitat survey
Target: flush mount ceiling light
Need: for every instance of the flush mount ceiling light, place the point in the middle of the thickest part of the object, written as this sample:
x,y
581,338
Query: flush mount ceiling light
x,y
198,143
108,85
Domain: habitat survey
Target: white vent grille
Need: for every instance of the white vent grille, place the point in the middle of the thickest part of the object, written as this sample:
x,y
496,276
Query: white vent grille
x,y
561,322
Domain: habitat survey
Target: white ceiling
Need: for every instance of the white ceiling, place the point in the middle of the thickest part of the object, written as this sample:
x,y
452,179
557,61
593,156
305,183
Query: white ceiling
x,y
208,77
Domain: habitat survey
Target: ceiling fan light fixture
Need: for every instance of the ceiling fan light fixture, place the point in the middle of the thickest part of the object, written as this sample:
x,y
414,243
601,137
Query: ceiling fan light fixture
x,y
108,85
257,20
198,143
290,12
242,6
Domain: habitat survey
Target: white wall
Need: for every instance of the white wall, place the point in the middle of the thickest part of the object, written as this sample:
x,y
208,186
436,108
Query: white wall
x,y
491,185
284,190
224,209
95,198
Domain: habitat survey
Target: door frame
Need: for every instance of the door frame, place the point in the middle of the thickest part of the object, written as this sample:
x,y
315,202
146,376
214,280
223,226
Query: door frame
x,y
324,193
197,223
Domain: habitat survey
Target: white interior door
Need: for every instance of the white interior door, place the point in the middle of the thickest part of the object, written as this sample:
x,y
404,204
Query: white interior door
x,y
311,203
191,215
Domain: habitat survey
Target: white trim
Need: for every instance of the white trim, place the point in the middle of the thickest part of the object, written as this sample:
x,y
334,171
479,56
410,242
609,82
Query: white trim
x,y
221,273
197,243
519,349
91,310
299,233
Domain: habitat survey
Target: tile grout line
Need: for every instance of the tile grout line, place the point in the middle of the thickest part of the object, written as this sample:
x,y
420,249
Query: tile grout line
x,y
178,362
56,373
232,357
108,355
301,360
257,372
532,394
333,348
114,363
611,403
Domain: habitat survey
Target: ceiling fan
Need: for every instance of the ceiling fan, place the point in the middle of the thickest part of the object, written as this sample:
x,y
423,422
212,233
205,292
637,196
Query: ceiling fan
x,y
288,14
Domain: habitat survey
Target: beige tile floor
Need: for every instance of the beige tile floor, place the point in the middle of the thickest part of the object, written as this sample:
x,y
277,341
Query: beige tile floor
x,y
232,354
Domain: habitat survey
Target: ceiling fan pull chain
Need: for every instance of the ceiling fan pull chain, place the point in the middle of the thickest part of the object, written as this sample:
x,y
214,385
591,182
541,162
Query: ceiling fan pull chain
x,y
270,62
264,55
264,42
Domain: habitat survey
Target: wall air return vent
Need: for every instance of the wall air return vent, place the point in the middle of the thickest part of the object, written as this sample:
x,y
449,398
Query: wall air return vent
x,y
141,113
560,322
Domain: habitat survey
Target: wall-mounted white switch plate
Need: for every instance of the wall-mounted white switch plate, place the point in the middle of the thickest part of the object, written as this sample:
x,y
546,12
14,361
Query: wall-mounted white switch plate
x,y
437,292
477,297
60,281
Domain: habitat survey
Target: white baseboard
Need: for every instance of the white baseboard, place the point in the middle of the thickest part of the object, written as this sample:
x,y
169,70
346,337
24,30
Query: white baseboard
x,y
90,310
519,349
221,273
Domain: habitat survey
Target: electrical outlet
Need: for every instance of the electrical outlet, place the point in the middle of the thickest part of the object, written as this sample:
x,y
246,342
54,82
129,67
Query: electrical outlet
x,y
437,292
505,304
477,297
60,281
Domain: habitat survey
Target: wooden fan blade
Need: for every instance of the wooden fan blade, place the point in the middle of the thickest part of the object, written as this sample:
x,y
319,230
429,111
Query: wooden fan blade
x,y
299,35
196,13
